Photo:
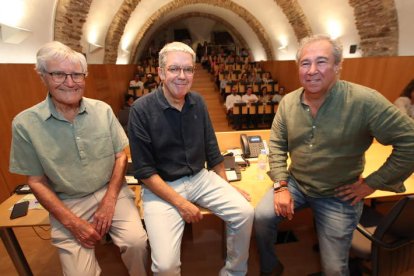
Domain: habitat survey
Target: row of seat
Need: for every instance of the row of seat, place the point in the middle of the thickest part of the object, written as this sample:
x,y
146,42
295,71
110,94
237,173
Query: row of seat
x,y
259,114
257,87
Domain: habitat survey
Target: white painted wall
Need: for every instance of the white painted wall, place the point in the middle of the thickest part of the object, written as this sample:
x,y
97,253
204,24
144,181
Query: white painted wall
x,y
34,15
38,16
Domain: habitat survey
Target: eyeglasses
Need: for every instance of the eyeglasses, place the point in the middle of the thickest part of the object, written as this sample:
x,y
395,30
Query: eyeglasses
x,y
60,77
176,70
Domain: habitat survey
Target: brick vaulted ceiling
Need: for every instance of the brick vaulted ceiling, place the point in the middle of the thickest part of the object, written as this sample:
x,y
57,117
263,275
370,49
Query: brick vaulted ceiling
x,y
71,15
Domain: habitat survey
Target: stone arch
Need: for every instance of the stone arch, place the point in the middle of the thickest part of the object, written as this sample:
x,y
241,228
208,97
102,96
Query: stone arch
x,y
69,19
296,17
227,4
228,26
377,25
116,29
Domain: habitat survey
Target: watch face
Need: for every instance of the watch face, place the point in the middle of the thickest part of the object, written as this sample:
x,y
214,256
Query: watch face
x,y
276,185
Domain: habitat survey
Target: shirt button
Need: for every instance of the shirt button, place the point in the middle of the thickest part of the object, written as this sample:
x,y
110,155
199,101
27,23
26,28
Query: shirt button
x,y
310,145
313,127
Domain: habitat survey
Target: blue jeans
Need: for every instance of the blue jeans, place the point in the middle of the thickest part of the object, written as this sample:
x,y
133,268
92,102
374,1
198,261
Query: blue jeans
x,y
335,221
165,225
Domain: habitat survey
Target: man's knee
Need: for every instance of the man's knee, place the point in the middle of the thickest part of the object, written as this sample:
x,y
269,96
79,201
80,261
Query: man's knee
x,y
166,267
135,242
79,265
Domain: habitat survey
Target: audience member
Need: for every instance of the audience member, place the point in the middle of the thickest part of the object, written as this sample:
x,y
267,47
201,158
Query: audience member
x,y
123,115
266,96
140,71
232,99
267,77
170,144
136,82
150,84
277,97
249,97
325,127
223,84
406,101
72,150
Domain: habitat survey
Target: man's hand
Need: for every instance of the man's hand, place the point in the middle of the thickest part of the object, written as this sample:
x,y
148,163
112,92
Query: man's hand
x,y
355,191
189,212
245,194
85,233
283,203
102,218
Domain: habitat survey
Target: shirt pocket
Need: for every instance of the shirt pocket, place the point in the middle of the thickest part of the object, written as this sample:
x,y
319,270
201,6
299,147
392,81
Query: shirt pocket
x,y
101,146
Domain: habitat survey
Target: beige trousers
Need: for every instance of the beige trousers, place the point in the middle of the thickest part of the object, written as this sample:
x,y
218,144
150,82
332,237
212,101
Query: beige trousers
x,y
126,232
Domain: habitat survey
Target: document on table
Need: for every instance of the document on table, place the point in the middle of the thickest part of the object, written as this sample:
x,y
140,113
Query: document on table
x,y
33,203
231,175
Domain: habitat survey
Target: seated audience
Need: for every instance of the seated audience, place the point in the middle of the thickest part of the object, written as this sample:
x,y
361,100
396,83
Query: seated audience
x,y
140,71
249,97
136,82
279,95
406,101
150,83
223,84
267,77
123,115
232,99
266,96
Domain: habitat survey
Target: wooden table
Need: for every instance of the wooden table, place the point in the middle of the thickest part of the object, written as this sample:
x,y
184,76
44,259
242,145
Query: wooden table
x,y
33,218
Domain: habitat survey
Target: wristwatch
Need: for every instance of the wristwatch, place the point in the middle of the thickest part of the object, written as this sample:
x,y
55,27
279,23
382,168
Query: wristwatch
x,y
279,184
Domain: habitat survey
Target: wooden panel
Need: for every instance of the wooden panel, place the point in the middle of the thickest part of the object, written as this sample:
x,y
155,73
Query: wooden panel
x,y
388,75
22,88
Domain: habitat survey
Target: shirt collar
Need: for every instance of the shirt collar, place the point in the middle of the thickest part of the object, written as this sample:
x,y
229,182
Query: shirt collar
x,y
49,109
333,91
162,100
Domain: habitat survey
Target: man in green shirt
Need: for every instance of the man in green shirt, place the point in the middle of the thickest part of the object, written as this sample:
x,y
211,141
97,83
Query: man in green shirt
x,y
326,126
71,149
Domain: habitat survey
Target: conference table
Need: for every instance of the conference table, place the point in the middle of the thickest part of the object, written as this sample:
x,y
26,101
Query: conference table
x,y
375,157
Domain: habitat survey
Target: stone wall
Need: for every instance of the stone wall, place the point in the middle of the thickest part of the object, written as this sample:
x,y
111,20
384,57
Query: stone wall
x,y
377,24
296,17
70,17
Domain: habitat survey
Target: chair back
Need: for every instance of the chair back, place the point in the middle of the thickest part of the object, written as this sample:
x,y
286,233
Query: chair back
x,y
397,228
399,222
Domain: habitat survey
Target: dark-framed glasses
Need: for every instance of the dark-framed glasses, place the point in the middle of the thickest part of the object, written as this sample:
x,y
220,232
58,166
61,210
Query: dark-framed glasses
x,y
60,77
176,70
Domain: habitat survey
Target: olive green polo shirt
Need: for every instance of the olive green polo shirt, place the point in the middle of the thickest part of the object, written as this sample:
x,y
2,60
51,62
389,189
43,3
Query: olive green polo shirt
x,y
328,151
77,158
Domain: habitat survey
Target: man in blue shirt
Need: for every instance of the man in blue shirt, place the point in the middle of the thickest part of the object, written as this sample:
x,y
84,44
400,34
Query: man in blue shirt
x,y
172,138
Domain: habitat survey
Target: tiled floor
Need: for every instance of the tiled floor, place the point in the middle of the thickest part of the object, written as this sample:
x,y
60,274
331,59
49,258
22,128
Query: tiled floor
x,y
202,252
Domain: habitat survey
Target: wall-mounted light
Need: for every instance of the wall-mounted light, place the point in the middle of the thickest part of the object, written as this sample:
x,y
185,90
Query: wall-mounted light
x,y
334,29
13,35
94,47
283,42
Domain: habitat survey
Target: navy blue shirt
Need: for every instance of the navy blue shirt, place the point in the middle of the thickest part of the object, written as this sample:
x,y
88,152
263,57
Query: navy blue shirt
x,y
169,142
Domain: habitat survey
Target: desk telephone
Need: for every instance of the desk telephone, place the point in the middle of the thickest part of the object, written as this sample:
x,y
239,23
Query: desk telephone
x,y
251,145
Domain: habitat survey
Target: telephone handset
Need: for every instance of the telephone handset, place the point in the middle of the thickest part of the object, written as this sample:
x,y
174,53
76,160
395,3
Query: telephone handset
x,y
251,145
